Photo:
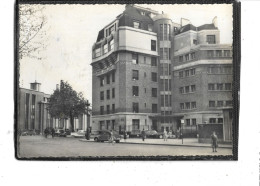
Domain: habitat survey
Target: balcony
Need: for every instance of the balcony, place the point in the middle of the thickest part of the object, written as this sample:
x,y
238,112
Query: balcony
x,y
106,70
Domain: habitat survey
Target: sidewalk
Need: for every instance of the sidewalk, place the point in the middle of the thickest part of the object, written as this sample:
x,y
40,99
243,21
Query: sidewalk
x,y
187,142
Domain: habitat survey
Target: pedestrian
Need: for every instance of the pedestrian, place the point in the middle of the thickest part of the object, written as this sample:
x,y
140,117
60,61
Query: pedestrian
x,y
165,135
52,132
143,134
87,134
112,137
46,131
125,135
214,141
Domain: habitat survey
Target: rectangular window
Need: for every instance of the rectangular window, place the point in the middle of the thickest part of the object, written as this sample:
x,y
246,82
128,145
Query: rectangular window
x,y
193,88
211,86
194,122
108,109
135,124
153,45
102,110
154,61
113,92
136,24
227,86
187,57
210,53
154,76
108,78
154,108
108,94
166,53
161,32
182,106
218,53
211,39
135,107
166,85
228,103
212,120
102,81
134,58
193,55
111,45
219,86
220,120
135,90
211,103
181,90
187,89
181,74
192,72
195,41
162,100
102,95
113,76
227,53
105,48
187,73
167,101
187,105
220,103
150,27
180,58
97,52
113,108
188,122
154,92
135,75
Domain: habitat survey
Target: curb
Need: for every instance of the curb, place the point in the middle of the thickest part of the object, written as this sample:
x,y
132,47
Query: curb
x,y
83,140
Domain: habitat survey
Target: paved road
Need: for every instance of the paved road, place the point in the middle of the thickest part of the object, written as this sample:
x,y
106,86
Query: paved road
x,y
38,146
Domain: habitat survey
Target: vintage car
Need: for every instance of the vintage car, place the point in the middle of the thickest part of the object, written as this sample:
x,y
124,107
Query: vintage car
x,y
105,135
60,133
153,134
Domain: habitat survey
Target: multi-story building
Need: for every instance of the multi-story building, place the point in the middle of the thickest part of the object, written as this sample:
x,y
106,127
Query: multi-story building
x,y
136,72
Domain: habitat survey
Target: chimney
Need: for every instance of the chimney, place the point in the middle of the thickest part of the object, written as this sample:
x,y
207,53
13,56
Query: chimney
x,y
57,86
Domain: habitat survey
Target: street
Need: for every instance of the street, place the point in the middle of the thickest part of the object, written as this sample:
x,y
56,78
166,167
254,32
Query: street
x,y
38,146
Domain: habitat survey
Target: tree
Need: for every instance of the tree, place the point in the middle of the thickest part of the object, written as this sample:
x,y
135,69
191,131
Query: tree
x,y
67,103
31,33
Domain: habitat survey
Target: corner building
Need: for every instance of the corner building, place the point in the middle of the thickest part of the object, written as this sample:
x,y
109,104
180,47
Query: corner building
x,y
133,73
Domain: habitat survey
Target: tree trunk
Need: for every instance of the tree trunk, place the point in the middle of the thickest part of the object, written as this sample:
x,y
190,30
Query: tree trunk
x,y
72,123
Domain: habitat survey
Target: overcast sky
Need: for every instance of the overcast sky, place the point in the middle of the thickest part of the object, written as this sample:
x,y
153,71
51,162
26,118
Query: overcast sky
x,y
73,29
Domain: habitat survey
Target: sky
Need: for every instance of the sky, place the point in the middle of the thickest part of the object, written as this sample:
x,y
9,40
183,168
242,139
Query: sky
x,y
72,30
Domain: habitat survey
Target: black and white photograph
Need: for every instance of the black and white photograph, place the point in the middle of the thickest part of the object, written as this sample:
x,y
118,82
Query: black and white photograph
x,y
126,81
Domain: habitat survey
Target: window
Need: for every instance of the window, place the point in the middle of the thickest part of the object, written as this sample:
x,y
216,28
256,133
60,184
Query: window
x,y
187,57
113,76
97,52
150,27
135,74
102,81
211,103
181,74
228,103
153,61
111,45
135,90
195,42
108,109
227,70
181,90
192,72
180,58
182,106
227,86
187,89
105,48
220,120
226,53
135,124
212,120
165,53
166,85
193,88
162,100
194,122
167,101
188,122
218,53
136,24
161,32
102,125
187,73
211,39
193,105
154,92
211,86
101,110
108,78
219,86
153,45
113,92
113,108
154,76
210,53
193,55
102,95
220,103
108,94
154,108
187,105
134,58
144,60
135,107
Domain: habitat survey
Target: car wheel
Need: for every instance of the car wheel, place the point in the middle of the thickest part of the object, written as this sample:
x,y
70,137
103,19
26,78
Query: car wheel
x,y
96,139
117,141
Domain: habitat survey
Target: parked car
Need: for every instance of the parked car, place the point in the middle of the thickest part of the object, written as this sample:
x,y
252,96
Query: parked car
x,y
28,133
68,131
105,135
153,134
60,133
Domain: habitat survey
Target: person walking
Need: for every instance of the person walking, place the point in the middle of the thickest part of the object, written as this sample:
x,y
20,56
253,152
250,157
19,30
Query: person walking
x,y
214,141
52,132
46,131
112,137
125,135
87,134
143,134
165,135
